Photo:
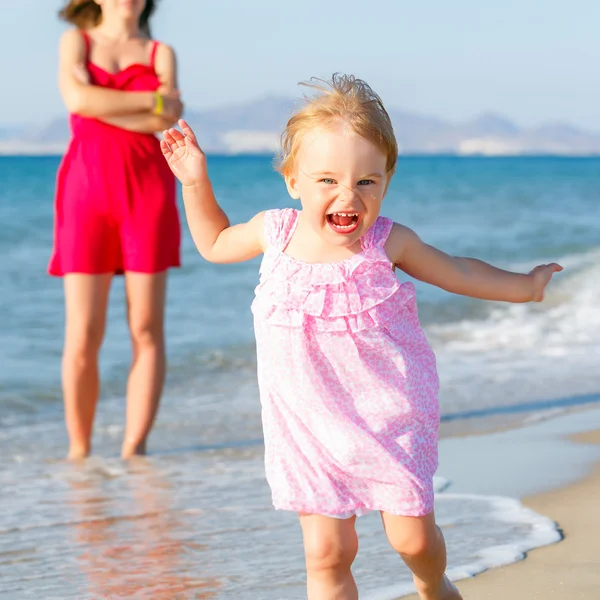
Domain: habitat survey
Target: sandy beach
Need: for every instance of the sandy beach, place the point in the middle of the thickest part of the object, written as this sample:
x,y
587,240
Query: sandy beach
x,y
568,570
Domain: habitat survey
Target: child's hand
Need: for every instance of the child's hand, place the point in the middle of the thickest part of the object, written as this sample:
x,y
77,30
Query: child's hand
x,y
184,156
540,277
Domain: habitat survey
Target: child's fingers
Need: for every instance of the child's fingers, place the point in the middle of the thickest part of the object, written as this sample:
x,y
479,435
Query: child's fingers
x,y
174,138
168,137
176,135
192,144
187,130
553,267
166,150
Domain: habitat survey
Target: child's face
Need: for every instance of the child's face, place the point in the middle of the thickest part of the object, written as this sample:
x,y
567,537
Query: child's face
x,y
341,180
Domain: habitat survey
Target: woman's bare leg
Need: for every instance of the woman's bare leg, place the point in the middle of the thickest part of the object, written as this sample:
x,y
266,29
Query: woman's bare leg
x,y
420,543
330,547
146,294
86,298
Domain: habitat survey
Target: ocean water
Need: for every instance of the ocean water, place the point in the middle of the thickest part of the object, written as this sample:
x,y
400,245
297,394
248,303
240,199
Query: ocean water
x,y
195,514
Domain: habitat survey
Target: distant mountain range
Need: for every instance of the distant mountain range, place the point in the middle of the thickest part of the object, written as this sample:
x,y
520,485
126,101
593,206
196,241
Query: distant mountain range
x,y
254,128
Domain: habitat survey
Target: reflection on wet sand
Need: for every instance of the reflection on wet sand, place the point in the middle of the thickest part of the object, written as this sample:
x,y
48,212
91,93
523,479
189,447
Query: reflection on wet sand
x,y
133,543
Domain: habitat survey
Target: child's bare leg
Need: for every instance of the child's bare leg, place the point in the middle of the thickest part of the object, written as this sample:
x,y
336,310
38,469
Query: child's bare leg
x,y
421,545
86,298
330,547
145,311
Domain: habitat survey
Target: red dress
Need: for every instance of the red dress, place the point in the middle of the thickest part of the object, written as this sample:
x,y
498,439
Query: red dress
x,y
115,207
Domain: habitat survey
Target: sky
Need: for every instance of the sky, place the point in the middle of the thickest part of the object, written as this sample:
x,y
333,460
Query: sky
x,y
532,61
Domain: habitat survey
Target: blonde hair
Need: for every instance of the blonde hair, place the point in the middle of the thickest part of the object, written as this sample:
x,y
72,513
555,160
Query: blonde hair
x,y
343,98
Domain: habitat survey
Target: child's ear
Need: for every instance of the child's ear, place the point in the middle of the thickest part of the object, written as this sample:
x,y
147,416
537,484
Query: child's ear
x,y
291,182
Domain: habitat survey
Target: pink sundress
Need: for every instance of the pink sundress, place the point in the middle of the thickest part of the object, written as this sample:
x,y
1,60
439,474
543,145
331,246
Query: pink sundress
x,y
348,382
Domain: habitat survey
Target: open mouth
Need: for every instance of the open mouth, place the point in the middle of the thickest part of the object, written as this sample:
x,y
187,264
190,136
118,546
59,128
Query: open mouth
x,y
343,222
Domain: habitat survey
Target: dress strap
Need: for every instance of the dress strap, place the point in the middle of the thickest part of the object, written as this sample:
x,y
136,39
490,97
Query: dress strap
x,y
155,45
88,44
280,226
378,234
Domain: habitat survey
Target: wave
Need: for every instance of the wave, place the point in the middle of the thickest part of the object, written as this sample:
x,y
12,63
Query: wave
x,y
520,353
510,530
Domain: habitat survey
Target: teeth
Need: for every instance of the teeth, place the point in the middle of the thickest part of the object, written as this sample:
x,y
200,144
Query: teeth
x,y
346,214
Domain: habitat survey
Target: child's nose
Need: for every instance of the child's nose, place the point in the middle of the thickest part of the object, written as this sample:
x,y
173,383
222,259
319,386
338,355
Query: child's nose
x,y
347,191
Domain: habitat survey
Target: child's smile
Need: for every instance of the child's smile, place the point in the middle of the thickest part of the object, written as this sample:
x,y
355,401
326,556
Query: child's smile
x,y
344,223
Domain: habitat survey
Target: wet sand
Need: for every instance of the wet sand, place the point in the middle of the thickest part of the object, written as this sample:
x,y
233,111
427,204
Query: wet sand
x,y
568,570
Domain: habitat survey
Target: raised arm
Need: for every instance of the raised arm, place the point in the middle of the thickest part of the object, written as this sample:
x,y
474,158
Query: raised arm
x,y
95,101
465,276
216,239
166,69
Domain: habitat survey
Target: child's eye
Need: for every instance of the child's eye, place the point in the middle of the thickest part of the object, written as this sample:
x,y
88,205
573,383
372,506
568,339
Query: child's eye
x,y
365,182
327,181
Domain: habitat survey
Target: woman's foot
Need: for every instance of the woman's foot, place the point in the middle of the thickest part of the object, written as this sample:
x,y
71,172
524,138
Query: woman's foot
x,y
448,591
78,452
130,449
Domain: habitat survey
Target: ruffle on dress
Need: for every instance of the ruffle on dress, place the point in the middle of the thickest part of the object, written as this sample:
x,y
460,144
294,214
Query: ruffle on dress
x,y
351,295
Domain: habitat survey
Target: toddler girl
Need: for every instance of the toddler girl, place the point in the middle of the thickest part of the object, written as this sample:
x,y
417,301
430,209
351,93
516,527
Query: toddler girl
x,y
348,382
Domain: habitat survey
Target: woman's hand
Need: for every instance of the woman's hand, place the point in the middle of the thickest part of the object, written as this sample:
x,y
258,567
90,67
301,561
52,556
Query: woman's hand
x,y
172,105
540,278
183,155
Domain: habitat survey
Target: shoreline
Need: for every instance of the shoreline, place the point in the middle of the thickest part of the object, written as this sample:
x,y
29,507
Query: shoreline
x,y
181,501
505,418
567,569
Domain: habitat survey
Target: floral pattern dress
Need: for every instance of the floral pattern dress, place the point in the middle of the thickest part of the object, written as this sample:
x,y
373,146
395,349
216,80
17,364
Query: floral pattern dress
x,y
348,382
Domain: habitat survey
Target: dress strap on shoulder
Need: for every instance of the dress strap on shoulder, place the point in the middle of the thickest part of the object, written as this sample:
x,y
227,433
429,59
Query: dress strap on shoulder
x,y
280,226
378,234
155,46
88,44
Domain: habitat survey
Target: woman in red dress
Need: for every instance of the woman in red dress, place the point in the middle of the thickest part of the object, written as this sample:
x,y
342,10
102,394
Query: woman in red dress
x,y
115,210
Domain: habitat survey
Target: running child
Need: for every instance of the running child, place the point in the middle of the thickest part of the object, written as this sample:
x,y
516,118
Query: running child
x,y
348,382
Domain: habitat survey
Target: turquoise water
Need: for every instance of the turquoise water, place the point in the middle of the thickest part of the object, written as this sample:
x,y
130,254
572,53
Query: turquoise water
x,y
202,486
515,213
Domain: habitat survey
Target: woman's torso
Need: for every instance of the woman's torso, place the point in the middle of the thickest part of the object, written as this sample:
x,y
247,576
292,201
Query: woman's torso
x,y
137,77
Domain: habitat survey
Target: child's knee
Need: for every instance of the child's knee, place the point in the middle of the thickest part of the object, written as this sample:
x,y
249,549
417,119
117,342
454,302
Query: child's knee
x,y
418,545
330,553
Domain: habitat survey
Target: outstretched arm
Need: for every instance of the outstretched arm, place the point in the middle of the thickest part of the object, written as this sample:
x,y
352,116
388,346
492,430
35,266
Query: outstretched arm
x,y
466,276
95,101
216,239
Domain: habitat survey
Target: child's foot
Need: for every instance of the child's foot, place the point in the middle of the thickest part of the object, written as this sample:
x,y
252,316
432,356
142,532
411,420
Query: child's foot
x,y
451,592
447,592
